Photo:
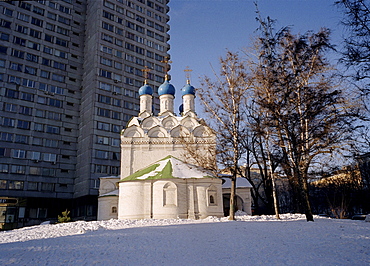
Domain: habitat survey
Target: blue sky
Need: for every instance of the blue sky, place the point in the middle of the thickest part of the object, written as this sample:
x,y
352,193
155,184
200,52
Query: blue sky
x,y
202,30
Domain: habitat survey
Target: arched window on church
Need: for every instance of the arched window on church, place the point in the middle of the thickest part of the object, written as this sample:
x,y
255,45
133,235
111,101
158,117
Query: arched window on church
x,y
211,199
114,209
169,194
212,195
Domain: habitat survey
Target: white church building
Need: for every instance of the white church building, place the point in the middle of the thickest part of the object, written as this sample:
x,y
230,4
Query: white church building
x,y
156,179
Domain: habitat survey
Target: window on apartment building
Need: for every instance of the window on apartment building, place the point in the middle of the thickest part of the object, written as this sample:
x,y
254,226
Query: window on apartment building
x,y
8,122
50,26
19,154
103,126
51,143
116,142
25,110
48,172
21,29
19,41
116,128
30,70
38,127
49,157
108,15
38,10
106,61
47,187
4,136
107,26
105,73
35,33
107,38
105,86
109,4
64,9
44,74
29,83
49,38
104,99
52,16
106,49
62,31
103,112
32,58
102,140
4,168
56,90
21,139
33,45
114,170
101,154
37,22
7,12
103,169
4,36
34,155
57,77
61,42
16,185
23,17
64,20
25,5
23,124
33,186
60,54
55,103
16,66
10,107
52,129
12,94
116,115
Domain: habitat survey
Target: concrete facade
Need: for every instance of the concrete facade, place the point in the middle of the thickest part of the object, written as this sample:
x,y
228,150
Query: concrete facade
x,y
69,74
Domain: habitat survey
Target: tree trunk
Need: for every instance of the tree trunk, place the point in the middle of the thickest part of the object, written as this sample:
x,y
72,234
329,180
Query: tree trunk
x,y
276,203
305,203
232,199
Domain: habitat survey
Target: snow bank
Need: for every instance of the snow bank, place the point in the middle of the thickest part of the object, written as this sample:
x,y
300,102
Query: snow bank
x,y
80,227
250,240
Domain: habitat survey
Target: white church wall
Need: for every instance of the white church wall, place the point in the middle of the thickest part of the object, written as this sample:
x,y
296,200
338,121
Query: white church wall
x,y
167,199
174,198
107,208
132,200
206,208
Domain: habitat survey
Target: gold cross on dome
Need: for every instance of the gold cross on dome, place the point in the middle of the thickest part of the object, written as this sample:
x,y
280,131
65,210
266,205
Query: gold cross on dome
x,y
188,71
166,66
146,70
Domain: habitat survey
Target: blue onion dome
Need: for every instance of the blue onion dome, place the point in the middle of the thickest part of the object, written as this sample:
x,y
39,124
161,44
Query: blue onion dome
x,y
166,88
146,89
181,108
188,89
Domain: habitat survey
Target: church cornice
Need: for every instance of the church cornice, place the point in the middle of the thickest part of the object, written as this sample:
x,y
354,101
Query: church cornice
x,y
159,141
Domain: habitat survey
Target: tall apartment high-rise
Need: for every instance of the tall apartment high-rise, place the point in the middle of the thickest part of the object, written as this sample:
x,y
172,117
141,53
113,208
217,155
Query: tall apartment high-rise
x,y
70,71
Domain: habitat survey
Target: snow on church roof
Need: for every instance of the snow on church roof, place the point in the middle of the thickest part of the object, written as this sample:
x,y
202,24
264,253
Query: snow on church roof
x,y
169,167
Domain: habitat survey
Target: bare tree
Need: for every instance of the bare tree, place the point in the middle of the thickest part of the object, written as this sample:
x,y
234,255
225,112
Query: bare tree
x,y
305,112
356,53
225,100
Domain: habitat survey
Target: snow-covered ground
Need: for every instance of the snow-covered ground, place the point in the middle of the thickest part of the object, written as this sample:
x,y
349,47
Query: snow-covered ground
x,y
251,240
